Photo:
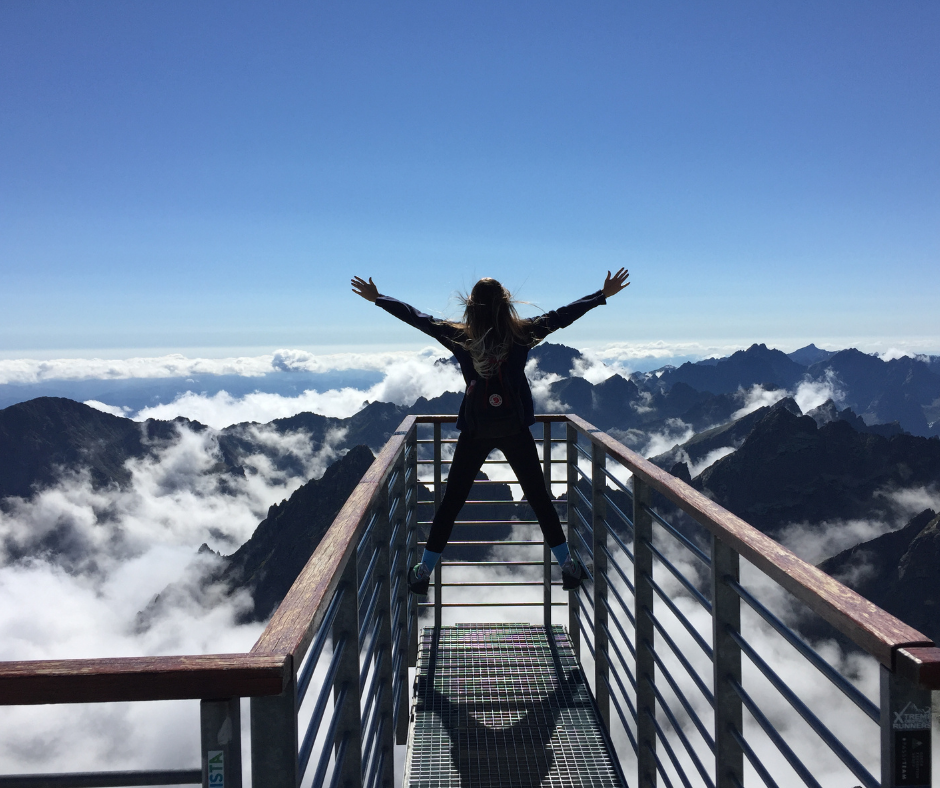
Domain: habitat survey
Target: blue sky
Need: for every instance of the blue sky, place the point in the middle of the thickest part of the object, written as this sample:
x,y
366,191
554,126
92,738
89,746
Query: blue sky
x,y
207,176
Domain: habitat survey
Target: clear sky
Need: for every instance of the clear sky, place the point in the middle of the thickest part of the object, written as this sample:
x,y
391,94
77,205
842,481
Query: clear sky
x,y
179,175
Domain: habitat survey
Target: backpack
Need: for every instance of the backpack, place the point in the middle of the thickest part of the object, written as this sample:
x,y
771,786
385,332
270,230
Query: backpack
x,y
493,407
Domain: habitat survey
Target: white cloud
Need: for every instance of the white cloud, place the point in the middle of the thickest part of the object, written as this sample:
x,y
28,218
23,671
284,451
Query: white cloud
x,y
404,382
595,369
695,468
813,393
540,383
757,397
115,410
674,433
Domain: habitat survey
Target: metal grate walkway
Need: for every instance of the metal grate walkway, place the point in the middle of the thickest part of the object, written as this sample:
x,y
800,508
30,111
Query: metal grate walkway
x,y
504,706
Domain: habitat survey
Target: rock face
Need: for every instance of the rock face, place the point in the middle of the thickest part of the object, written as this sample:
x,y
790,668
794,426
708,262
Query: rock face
x,y
898,571
269,562
789,470
756,365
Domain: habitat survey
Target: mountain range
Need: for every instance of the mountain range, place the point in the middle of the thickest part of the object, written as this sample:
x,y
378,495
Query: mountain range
x,y
772,465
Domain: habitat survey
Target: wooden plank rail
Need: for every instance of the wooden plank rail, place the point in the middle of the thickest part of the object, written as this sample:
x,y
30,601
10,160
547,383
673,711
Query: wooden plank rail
x,y
865,624
205,676
294,623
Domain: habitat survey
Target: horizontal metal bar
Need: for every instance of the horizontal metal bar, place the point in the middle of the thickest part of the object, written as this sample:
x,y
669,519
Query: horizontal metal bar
x,y
366,618
667,710
664,740
587,501
338,764
103,779
370,652
693,674
825,735
767,726
327,751
367,532
626,640
497,583
753,758
313,655
851,692
367,575
375,688
492,563
313,727
583,451
616,565
686,583
627,551
484,522
506,542
618,511
620,714
492,604
680,537
667,601
623,487
626,608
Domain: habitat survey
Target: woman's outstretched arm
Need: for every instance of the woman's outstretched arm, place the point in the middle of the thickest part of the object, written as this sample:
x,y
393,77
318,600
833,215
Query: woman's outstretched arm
x,y
368,290
613,284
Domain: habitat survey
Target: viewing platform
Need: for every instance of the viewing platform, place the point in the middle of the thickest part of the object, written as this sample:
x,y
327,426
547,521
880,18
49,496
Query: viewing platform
x,y
679,662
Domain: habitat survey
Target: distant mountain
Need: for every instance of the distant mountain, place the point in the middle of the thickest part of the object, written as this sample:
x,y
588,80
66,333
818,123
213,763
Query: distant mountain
x,y
556,359
884,391
809,355
898,572
756,365
791,470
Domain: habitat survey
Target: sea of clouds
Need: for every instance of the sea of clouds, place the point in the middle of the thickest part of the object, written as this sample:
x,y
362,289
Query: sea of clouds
x,y
77,563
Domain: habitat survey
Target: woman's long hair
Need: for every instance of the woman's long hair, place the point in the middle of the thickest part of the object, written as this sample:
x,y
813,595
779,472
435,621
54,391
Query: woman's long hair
x,y
492,325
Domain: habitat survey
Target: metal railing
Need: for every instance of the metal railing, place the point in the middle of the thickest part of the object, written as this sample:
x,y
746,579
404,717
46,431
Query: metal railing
x,y
696,698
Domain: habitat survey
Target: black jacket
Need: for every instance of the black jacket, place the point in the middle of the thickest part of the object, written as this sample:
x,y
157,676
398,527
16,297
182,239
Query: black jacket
x,y
514,368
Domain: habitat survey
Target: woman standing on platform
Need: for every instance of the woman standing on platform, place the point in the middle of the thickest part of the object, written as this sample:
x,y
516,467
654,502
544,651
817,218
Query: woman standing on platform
x,y
492,345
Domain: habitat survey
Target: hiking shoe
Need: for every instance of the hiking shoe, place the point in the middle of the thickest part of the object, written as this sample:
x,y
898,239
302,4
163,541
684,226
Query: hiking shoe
x,y
572,574
418,580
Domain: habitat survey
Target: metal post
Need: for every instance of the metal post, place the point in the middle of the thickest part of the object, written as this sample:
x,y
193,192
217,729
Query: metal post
x,y
546,551
645,666
574,630
599,546
385,706
221,729
274,738
397,571
438,494
726,618
905,732
346,629
411,537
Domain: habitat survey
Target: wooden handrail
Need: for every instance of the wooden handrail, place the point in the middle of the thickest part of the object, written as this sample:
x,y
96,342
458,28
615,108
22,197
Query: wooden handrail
x,y
292,627
864,623
203,676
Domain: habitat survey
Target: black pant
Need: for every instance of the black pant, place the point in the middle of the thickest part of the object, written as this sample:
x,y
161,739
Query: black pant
x,y
523,457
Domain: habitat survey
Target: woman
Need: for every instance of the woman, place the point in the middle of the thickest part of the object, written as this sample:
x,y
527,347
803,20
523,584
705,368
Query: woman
x,y
491,345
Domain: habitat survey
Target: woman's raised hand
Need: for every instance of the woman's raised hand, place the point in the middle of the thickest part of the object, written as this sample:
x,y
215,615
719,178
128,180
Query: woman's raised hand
x,y
614,284
367,290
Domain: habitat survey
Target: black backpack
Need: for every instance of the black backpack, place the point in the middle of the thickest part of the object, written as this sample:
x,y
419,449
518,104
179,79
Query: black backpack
x,y
493,407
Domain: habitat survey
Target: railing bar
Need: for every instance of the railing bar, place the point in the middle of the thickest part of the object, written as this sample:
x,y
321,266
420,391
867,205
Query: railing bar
x,y
667,710
498,583
104,779
686,583
753,758
492,604
616,564
661,735
837,747
623,719
370,652
623,605
824,667
338,764
395,530
491,563
484,522
584,540
377,771
693,715
370,611
582,450
682,538
507,542
374,688
617,509
772,734
659,767
693,674
587,501
366,533
583,626
320,774
316,718
392,509
313,655
371,736
367,575
623,546
623,661
680,615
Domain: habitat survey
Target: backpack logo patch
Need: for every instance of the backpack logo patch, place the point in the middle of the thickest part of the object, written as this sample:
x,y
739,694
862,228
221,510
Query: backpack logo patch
x,y
496,400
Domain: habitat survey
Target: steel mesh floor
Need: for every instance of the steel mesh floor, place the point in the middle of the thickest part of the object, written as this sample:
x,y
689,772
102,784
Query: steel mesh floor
x,y
503,705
